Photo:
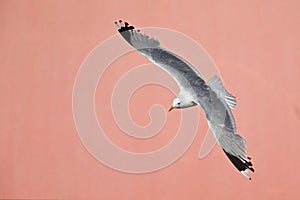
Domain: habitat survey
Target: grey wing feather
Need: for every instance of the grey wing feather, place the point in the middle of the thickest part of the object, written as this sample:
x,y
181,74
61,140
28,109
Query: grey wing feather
x,y
220,120
182,71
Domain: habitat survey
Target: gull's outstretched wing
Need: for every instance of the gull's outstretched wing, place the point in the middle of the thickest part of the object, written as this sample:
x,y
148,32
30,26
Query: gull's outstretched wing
x,y
175,66
216,103
212,97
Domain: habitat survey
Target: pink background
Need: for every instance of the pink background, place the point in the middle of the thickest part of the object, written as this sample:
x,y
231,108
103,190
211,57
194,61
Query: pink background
x,y
255,44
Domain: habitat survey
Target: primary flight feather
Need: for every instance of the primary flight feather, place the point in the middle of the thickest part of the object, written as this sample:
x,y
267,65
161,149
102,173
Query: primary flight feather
x,y
211,96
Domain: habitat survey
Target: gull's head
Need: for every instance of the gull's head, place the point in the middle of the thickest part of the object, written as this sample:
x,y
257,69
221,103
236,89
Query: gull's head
x,y
175,103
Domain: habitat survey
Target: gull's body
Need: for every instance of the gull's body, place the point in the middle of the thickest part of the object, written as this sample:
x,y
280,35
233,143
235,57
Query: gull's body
x,y
211,96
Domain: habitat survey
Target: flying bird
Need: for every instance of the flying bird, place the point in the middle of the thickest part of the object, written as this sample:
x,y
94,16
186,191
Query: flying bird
x,y
212,96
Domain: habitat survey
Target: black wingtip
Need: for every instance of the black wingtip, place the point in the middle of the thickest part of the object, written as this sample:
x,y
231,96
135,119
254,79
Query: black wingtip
x,y
240,163
123,27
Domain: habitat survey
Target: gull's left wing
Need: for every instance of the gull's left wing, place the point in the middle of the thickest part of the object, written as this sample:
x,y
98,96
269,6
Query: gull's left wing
x,y
179,69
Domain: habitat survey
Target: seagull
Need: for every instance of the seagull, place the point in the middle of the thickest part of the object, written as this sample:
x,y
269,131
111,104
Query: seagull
x,y
212,96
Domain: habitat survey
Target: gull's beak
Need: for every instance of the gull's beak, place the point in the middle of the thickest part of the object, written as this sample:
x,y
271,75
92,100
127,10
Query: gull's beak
x,y
171,108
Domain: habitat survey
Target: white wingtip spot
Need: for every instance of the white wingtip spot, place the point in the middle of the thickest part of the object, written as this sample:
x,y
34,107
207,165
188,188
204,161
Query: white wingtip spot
x,y
117,25
245,173
121,23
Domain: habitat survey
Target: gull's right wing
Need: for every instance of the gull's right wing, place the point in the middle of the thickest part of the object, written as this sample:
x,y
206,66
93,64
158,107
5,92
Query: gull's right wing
x,y
216,104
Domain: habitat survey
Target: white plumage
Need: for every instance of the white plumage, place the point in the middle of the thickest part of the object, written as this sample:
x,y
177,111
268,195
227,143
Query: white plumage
x,y
215,100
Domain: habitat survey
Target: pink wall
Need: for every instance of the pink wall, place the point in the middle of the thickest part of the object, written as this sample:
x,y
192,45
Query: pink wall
x,y
256,46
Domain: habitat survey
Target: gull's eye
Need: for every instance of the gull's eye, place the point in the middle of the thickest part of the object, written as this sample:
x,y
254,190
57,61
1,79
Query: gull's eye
x,y
178,104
